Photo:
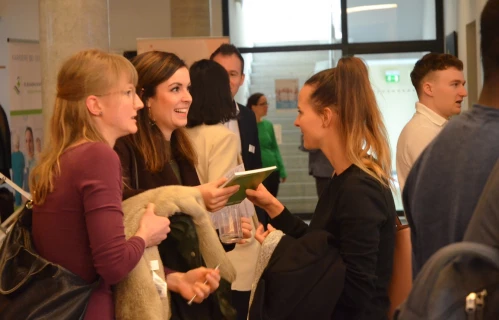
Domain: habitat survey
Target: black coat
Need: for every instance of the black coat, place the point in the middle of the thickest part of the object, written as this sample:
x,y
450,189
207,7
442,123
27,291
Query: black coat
x,y
303,279
5,148
360,214
249,138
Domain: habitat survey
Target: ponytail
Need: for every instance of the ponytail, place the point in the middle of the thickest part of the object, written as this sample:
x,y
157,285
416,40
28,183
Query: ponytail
x,y
348,90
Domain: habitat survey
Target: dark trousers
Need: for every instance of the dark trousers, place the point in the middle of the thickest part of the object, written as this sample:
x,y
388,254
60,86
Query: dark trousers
x,y
321,184
272,183
240,301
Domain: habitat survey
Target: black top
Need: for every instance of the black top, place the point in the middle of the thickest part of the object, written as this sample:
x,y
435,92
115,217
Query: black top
x,y
248,132
147,179
5,147
360,214
484,221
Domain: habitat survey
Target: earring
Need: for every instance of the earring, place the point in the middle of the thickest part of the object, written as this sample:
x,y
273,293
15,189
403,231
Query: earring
x,y
100,113
152,122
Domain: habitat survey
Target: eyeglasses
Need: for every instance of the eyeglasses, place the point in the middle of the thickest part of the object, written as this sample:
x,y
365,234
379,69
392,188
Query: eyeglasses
x,y
130,94
265,104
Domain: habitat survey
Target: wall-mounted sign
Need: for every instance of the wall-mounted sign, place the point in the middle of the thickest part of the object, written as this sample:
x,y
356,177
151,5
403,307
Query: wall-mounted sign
x,y
392,76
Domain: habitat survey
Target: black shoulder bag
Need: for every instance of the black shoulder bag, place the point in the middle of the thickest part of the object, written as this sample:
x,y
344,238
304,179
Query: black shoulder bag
x,y
32,287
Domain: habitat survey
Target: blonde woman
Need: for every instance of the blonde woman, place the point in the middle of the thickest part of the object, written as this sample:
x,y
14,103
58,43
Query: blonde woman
x,y
337,113
76,187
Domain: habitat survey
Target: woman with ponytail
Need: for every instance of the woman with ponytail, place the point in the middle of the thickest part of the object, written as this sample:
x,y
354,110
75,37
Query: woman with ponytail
x,y
338,113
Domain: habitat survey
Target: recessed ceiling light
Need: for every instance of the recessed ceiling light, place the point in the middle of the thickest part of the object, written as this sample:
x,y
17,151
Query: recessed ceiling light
x,y
373,7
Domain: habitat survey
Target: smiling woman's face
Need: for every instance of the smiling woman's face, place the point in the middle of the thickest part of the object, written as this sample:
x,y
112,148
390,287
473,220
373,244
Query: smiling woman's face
x,y
170,105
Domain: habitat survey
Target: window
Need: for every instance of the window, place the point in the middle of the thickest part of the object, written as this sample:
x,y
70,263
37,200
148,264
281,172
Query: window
x,y
389,20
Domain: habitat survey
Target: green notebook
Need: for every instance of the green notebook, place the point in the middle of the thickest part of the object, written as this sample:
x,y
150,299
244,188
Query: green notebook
x,y
246,180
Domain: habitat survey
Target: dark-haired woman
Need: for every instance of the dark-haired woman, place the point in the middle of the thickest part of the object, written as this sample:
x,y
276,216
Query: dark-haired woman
x,y
164,155
218,152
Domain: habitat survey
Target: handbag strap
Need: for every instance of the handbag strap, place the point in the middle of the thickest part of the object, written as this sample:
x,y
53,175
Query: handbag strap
x,y
399,224
15,186
5,226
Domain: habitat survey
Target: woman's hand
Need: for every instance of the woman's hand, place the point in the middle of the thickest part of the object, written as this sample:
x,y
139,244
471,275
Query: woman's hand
x,y
152,228
265,200
246,228
214,197
260,235
192,283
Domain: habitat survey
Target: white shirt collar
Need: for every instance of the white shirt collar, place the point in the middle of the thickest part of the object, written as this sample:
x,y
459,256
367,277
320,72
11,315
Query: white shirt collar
x,y
430,114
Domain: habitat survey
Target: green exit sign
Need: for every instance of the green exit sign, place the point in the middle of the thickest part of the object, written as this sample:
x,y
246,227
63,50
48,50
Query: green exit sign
x,y
392,76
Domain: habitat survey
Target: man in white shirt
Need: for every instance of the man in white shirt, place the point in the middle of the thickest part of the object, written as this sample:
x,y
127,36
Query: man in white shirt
x,y
439,82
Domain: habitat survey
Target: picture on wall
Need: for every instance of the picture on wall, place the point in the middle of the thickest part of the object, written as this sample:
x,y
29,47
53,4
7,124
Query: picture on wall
x,y
27,141
286,94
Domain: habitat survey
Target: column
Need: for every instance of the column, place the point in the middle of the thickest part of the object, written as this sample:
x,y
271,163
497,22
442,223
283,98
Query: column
x,y
67,27
428,21
190,18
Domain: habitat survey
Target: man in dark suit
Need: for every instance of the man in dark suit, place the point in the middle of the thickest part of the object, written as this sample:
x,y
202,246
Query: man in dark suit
x,y
245,126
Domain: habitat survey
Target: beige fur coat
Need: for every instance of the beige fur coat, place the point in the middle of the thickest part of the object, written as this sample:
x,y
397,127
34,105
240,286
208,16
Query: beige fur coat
x,y
136,296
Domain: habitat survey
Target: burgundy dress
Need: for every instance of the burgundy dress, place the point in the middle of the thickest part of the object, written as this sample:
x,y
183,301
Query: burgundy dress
x,y
80,224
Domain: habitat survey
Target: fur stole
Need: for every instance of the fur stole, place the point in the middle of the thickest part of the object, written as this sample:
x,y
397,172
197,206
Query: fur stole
x,y
136,296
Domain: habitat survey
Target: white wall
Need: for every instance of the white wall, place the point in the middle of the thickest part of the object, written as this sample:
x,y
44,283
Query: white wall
x,y
238,26
18,20
457,14
240,36
132,19
396,100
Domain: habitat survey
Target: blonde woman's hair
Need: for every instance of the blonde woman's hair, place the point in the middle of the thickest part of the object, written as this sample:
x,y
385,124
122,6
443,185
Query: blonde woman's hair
x,y
89,72
346,90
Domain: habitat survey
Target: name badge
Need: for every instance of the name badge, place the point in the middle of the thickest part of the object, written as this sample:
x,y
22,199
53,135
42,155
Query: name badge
x,y
251,148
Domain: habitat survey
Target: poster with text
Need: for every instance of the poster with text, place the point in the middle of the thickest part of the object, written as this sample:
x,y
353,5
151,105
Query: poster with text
x,y
25,81
286,94
26,120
